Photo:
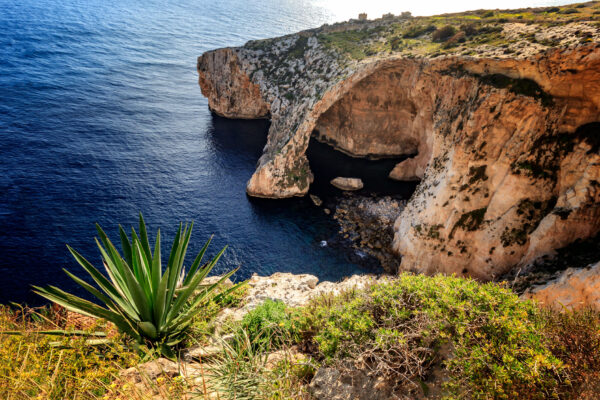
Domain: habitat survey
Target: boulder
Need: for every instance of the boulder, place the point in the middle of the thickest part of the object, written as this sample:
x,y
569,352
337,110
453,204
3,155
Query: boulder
x,y
150,371
347,183
291,289
573,289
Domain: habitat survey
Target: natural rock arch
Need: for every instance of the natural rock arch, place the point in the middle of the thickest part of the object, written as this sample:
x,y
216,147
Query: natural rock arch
x,y
484,129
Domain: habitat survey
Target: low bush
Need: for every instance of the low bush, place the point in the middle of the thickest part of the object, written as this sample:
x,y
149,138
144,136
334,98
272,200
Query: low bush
x,y
399,328
268,325
414,31
453,41
444,33
469,29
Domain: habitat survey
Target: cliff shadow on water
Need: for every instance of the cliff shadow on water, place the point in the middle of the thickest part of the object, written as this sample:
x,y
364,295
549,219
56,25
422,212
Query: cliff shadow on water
x,y
240,139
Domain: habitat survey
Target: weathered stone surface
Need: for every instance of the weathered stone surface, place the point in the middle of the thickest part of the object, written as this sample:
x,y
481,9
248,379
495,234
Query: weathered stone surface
x,y
235,96
356,384
291,355
506,144
316,200
204,352
293,290
150,370
575,288
343,183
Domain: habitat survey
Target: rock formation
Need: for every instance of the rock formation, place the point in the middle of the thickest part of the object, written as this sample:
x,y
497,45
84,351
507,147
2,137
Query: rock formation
x,y
573,289
505,138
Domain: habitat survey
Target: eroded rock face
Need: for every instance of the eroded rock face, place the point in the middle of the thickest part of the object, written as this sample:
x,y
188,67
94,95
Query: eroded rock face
x,y
234,96
378,117
506,147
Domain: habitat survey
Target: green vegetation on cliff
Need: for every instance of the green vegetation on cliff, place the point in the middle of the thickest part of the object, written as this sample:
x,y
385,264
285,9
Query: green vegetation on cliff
x,y
462,33
487,343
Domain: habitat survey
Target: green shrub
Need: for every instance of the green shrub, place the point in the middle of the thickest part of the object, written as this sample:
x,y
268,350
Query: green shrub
x,y
498,349
268,325
444,33
568,11
469,29
418,30
153,307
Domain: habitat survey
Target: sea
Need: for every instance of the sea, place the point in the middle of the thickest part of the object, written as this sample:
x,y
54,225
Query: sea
x,y
101,118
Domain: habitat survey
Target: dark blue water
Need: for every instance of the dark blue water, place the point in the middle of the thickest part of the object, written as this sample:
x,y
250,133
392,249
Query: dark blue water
x,y
101,117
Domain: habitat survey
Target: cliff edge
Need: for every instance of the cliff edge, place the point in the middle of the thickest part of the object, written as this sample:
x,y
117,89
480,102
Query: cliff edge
x,y
499,111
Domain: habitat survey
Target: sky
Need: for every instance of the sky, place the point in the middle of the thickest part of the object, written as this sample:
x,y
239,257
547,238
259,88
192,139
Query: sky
x,y
345,9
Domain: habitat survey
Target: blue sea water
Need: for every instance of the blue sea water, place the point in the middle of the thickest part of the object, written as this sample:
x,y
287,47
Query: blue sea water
x,y
101,117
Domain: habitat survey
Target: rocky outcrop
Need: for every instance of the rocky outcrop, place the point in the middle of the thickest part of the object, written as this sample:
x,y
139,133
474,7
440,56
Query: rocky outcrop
x,y
573,289
234,96
368,223
292,289
356,384
505,143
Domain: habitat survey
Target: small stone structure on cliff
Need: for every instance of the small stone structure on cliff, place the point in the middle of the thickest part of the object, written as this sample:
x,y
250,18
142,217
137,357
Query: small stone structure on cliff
x,y
501,119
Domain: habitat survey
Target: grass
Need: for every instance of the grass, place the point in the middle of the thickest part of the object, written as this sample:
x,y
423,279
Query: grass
x,y
37,366
34,365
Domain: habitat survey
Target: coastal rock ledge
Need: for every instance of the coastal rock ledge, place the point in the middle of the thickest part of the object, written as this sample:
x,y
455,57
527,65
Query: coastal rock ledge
x,y
504,139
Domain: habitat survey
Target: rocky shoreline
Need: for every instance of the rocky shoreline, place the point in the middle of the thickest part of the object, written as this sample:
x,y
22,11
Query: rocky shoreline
x,y
367,222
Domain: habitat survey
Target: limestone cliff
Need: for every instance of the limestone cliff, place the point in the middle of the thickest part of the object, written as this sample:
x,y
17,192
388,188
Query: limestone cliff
x,y
502,119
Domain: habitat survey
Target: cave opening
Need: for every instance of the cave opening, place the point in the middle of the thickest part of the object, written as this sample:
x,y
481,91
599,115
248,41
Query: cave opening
x,y
327,163
367,132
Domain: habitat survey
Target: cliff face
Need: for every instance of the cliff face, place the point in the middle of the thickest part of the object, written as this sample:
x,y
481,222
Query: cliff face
x,y
506,145
233,95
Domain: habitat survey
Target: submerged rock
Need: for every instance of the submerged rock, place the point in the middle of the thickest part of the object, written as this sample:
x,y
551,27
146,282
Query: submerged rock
x,y
316,200
347,183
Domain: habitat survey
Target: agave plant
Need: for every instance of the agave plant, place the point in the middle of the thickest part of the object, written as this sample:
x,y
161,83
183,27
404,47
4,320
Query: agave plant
x,y
152,306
